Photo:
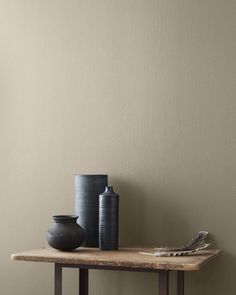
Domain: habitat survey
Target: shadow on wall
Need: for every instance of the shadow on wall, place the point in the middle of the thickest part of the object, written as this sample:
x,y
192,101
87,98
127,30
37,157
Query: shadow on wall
x,y
132,208
148,217
154,219
216,278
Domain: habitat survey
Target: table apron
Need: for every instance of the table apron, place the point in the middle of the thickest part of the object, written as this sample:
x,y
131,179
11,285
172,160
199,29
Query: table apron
x,y
108,267
84,277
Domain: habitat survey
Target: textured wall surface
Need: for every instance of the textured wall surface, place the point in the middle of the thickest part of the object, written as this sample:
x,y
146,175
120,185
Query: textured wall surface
x,y
142,90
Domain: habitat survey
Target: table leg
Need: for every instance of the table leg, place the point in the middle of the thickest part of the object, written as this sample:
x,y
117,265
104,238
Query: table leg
x,y
83,281
180,282
164,282
58,279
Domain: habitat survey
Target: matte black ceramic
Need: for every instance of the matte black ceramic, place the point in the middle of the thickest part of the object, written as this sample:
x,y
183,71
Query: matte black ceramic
x,y
65,233
108,219
87,191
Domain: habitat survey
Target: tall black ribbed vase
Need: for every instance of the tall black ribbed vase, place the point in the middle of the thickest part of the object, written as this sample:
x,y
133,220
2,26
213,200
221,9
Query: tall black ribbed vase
x,y
108,219
87,191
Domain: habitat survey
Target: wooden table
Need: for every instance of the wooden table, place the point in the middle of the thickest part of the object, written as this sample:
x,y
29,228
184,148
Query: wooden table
x,y
125,259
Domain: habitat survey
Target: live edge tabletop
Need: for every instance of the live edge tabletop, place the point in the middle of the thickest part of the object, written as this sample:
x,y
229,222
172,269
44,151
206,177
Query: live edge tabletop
x,y
123,258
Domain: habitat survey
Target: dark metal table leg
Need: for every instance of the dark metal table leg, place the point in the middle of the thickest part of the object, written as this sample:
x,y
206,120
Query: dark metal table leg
x,y
180,282
164,282
58,279
83,281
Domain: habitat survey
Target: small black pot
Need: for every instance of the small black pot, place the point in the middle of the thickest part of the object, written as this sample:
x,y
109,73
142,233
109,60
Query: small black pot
x,y
65,233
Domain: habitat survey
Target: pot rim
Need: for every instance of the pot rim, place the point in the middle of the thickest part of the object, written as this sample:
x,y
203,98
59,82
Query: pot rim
x,y
98,175
65,217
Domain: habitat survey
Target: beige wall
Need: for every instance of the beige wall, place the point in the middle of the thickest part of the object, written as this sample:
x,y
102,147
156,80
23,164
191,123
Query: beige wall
x,y
142,90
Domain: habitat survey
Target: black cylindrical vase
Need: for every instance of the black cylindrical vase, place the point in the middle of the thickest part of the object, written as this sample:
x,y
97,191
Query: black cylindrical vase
x,y
87,191
108,219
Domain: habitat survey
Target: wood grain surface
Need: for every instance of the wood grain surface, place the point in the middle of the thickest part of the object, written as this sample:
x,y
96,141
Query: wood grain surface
x,y
123,258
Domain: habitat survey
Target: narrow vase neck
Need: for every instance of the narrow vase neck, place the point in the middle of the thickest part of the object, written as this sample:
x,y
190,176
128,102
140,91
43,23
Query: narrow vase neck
x,y
109,189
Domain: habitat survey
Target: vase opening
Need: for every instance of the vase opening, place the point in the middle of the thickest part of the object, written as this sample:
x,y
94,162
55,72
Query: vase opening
x,y
92,175
65,218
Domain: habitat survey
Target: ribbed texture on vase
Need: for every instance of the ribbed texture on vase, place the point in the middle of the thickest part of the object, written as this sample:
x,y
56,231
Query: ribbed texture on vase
x,y
87,191
108,220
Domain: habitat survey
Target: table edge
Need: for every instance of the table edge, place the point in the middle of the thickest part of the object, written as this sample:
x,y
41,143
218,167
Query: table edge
x,y
118,266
